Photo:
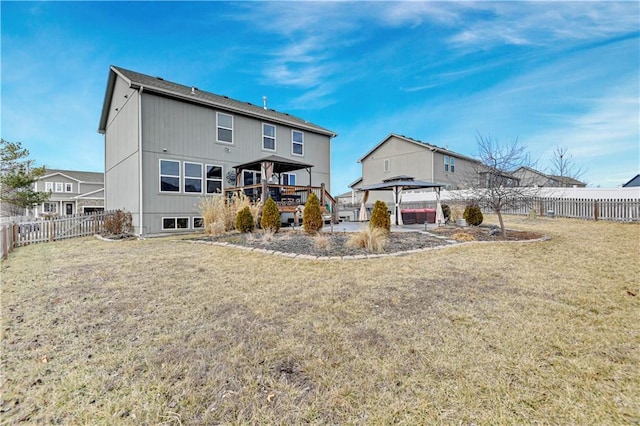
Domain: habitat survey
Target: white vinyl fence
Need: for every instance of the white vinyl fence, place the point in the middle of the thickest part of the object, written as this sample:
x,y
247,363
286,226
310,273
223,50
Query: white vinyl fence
x,y
21,233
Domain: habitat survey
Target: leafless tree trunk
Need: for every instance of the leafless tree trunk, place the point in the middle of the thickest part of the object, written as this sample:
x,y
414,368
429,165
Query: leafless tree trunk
x,y
493,186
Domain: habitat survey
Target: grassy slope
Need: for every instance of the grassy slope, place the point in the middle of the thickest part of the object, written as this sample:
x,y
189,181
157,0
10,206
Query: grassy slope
x,y
164,331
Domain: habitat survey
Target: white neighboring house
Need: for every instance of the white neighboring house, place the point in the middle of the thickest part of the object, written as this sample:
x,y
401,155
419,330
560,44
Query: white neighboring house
x,y
72,192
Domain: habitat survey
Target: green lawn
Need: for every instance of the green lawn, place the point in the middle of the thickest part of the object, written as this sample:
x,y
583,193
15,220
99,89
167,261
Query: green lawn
x,y
167,331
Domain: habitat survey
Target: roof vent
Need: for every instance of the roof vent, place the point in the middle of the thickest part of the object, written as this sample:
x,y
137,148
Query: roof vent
x,y
193,90
160,78
264,102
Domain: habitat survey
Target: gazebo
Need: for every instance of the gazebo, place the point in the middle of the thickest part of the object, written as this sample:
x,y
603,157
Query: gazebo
x,y
399,183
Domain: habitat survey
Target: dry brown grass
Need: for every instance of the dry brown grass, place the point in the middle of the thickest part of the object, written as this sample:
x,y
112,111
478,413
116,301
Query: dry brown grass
x,y
463,236
219,214
371,239
165,331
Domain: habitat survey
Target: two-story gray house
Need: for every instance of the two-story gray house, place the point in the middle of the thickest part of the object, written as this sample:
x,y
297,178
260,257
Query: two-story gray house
x,y
167,145
72,192
399,155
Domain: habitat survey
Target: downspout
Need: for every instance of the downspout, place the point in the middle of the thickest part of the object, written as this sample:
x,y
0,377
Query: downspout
x,y
140,197
433,157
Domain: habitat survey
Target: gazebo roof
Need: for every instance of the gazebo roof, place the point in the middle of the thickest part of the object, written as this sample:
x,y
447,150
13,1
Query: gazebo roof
x,y
404,182
280,164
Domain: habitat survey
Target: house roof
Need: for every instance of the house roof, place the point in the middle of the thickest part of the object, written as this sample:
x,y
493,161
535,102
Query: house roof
x,y
163,87
280,164
84,177
634,181
418,143
567,180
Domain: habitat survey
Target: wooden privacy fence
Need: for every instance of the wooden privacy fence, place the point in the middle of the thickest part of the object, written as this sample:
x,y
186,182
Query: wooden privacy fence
x,y
46,230
624,210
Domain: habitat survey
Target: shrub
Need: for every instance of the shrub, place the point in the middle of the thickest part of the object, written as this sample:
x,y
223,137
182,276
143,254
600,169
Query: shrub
x,y
473,214
244,220
380,217
118,223
322,241
312,216
270,216
446,212
463,236
219,213
370,239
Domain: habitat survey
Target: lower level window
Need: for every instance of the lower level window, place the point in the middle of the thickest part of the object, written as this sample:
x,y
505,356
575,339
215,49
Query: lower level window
x,y
50,207
175,223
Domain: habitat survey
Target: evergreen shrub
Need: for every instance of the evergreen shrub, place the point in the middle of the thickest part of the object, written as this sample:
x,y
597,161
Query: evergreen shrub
x,y
473,215
270,216
244,220
312,216
380,217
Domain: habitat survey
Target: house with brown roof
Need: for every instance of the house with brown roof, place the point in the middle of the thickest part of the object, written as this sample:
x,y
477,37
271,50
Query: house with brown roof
x,y
72,192
167,145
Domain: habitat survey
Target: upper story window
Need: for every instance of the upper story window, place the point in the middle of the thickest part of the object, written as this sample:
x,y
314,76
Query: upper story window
x,y
68,187
214,179
48,186
289,179
224,128
193,177
449,164
169,176
386,165
268,137
58,187
297,142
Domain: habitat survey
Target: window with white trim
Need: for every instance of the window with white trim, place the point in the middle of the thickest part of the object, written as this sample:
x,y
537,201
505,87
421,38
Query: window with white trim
x,y
198,223
224,128
214,179
170,223
297,142
289,179
449,164
48,186
50,207
386,165
268,137
68,187
192,178
169,176
59,187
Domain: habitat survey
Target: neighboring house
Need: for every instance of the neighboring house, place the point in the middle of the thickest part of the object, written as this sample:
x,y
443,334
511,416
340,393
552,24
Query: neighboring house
x,y
72,192
634,181
400,155
167,145
532,177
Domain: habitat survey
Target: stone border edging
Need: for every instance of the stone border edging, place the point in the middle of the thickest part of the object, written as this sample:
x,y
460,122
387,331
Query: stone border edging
x,y
451,243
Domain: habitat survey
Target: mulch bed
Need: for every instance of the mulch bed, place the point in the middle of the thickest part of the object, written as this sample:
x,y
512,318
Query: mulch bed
x,y
483,233
336,245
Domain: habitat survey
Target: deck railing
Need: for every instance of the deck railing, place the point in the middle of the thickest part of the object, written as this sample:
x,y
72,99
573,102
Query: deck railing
x,y
287,196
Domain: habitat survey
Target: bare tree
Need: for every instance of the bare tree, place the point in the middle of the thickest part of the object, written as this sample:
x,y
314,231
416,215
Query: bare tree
x,y
563,165
493,186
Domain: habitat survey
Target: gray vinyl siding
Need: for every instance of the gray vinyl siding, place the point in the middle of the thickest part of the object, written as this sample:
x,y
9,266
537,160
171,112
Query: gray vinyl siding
x,y
121,153
182,131
405,158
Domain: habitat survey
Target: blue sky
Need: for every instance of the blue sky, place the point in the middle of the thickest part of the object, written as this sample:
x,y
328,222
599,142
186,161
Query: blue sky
x,y
548,73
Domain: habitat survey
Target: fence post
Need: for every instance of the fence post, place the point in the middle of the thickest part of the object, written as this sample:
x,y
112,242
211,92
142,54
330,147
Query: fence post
x,y
95,223
595,209
52,229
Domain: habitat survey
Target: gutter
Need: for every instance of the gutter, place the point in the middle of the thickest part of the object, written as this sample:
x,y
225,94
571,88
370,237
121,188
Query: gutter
x,y
140,215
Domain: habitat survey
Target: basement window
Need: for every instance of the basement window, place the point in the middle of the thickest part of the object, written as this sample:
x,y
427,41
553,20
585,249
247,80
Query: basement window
x,y
172,223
